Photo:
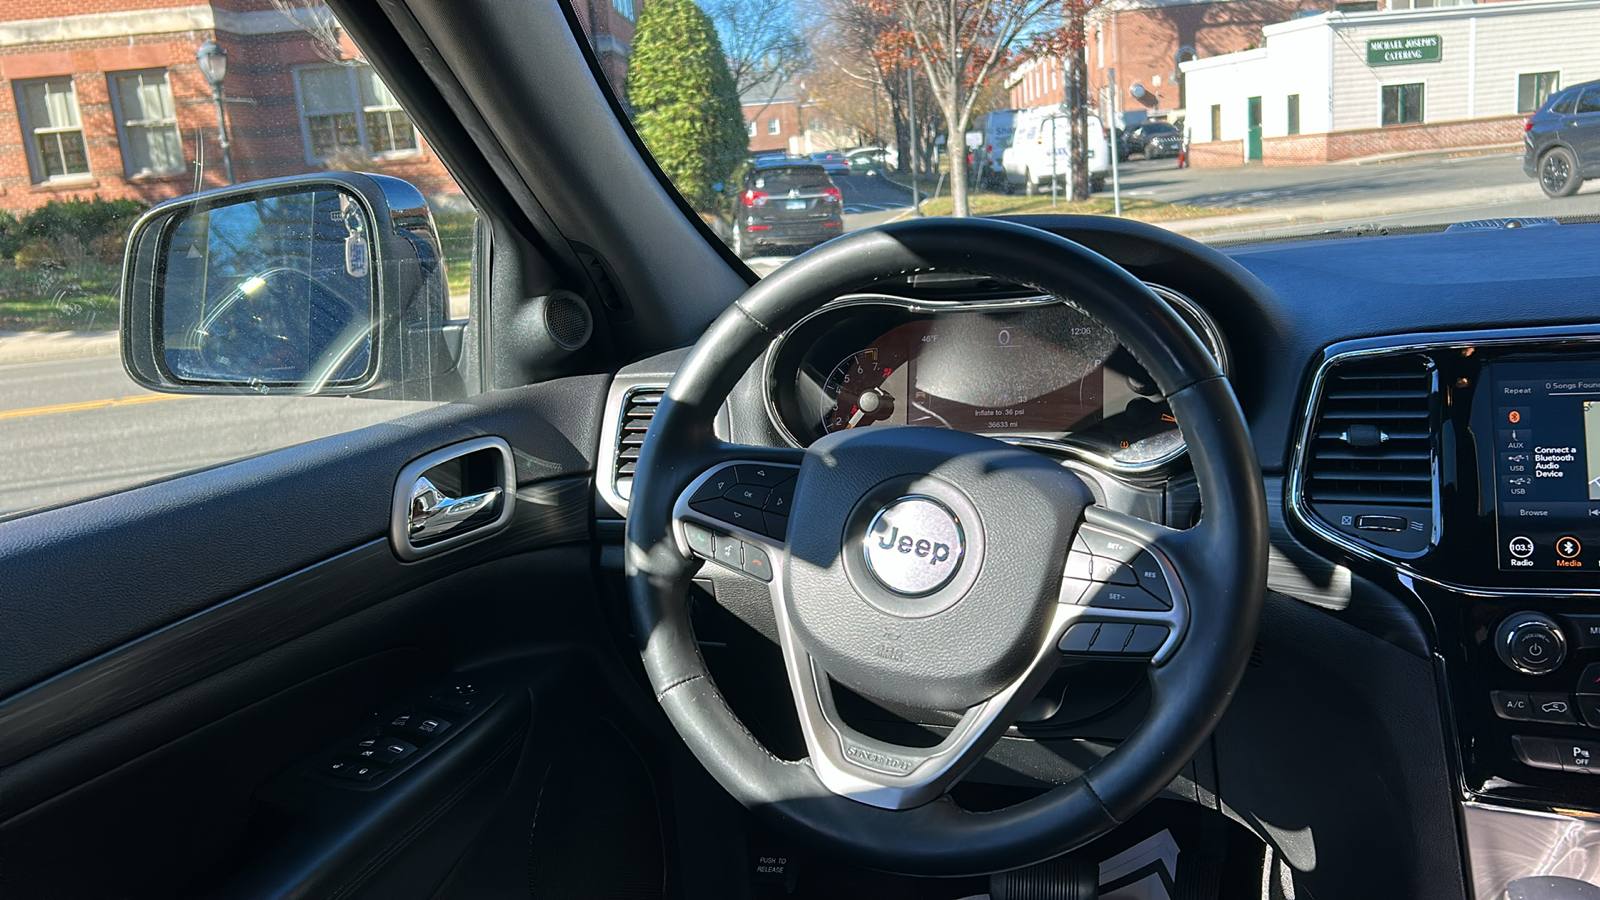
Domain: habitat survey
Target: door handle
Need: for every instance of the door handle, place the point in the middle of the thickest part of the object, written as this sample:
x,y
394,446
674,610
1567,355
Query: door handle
x,y
434,513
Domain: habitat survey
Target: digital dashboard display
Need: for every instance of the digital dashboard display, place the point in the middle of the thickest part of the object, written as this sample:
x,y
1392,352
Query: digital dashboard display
x,y
1547,465
985,373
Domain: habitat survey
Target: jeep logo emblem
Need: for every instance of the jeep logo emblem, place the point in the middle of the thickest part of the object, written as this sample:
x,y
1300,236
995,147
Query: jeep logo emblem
x,y
913,546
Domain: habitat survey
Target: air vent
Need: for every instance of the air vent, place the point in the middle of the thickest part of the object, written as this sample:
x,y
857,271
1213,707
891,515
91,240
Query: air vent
x,y
1372,440
638,409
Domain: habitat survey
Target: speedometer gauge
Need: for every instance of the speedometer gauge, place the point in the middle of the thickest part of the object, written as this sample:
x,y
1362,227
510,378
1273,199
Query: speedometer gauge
x,y
866,387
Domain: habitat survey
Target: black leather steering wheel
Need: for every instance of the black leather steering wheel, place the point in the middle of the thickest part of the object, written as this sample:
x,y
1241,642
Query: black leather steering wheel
x,y
927,567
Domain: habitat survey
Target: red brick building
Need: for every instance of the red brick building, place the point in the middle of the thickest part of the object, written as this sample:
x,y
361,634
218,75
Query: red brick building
x,y
1143,41
105,97
773,117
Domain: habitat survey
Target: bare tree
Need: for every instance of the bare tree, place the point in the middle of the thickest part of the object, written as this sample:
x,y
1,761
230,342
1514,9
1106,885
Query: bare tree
x,y
314,18
764,50
960,45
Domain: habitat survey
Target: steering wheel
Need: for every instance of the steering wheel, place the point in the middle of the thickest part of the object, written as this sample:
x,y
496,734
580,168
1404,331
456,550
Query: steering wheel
x,y
943,570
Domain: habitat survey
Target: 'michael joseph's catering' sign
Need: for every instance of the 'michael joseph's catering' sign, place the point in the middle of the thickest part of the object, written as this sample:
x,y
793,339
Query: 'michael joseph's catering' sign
x,y
1401,50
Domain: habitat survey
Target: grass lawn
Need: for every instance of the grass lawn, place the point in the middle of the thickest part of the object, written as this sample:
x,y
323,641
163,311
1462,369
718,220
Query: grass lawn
x,y
80,297
1098,205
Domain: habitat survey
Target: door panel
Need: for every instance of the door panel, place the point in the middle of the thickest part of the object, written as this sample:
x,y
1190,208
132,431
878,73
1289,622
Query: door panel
x,y
176,655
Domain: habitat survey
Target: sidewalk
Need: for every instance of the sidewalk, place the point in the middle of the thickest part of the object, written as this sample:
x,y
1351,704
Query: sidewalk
x,y
45,346
1451,153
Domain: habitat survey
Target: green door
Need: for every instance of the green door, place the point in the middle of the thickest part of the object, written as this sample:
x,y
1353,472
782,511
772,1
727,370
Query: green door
x,y
1253,141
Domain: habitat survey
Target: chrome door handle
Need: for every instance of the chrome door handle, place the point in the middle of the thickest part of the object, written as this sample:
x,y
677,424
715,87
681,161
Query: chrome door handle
x,y
433,513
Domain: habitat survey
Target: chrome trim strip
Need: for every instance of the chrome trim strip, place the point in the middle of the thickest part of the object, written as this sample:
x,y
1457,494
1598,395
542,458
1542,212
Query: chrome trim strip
x,y
1211,336
1295,498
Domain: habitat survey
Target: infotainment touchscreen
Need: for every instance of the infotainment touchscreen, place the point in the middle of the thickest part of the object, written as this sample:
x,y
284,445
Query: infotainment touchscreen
x,y
1547,464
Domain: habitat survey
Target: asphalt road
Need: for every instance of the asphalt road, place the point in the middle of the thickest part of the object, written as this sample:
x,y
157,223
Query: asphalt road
x,y
79,427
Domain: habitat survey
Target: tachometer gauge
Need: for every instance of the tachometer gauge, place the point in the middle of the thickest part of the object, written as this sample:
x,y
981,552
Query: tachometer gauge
x,y
866,387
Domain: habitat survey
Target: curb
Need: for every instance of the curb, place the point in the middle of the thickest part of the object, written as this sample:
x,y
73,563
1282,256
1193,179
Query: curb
x,y
1443,153
49,346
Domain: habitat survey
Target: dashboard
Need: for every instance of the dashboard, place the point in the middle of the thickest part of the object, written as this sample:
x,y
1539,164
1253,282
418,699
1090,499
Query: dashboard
x,y
1030,369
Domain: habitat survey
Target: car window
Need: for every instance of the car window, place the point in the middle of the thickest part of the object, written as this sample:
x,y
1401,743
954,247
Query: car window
x,y
99,135
1257,137
1590,101
792,178
1565,104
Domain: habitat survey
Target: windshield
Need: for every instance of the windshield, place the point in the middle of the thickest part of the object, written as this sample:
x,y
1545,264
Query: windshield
x,y
1319,117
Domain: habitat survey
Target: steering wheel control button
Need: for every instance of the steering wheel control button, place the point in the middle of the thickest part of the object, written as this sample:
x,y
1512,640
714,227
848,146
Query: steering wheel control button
x,y
1538,752
1080,565
729,551
1112,638
699,540
1110,547
1511,705
780,499
914,546
777,526
1554,708
1079,637
732,513
748,495
1118,596
1146,639
763,475
1112,572
1531,643
756,562
717,485
1073,589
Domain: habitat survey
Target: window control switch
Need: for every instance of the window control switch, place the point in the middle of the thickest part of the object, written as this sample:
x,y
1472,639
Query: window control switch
x,y
385,751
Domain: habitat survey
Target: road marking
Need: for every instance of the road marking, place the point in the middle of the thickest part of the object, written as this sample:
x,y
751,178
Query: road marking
x,y
85,405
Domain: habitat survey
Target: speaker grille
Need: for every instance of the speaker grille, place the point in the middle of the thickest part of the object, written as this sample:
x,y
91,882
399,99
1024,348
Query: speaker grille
x,y
568,320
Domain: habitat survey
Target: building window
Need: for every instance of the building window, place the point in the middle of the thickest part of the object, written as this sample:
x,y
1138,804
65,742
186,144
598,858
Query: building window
x,y
750,127
1216,121
1294,115
51,131
147,123
1534,88
773,127
1402,104
625,7
349,107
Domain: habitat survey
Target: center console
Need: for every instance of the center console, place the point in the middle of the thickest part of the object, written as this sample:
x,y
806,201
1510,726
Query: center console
x,y
1465,470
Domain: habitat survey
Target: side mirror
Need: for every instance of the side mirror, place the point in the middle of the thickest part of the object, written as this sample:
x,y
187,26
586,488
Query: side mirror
x,y
319,284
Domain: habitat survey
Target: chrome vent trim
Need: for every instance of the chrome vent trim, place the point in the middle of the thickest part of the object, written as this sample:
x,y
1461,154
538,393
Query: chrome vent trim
x,y
1371,438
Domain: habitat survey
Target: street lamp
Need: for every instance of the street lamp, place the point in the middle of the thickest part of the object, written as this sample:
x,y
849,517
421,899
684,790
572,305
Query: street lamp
x,y
213,62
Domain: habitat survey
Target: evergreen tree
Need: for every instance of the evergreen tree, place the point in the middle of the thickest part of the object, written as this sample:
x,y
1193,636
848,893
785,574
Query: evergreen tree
x,y
685,105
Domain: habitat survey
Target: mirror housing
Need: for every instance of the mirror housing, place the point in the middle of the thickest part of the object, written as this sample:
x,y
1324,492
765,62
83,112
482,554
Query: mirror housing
x,y
327,284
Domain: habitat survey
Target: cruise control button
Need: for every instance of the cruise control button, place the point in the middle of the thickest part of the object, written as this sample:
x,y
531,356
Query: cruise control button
x,y
1080,565
1146,639
749,495
1550,708
699,538
1079,637
756,562
1112,572
763,475
732,513
718,484
1119,549
1112,637
1510,704
1073,589
1541,753
1151,576
1117,596
729,551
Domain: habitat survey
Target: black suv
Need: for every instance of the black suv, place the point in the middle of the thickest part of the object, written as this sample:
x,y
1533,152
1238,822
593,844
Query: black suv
x,y
1155,140
786,202
1562,140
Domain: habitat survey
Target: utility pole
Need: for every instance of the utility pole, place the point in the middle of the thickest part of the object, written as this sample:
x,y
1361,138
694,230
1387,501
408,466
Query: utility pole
x,y
911,98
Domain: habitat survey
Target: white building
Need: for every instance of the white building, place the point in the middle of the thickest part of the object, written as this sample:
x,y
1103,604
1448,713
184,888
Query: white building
x,y
1343,85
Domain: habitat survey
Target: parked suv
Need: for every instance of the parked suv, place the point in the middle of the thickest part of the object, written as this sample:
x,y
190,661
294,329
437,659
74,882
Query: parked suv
x,y
1155,140
1562,140
786,203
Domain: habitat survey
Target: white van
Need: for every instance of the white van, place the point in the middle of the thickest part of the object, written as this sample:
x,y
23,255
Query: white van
x,y
1028,162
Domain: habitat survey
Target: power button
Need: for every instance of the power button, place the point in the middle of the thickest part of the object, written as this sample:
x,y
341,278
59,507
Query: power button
x,y
1531,643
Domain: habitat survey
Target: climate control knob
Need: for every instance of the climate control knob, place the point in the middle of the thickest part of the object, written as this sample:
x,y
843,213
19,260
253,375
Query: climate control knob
x,y
1531,643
